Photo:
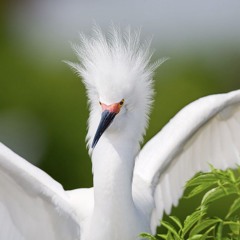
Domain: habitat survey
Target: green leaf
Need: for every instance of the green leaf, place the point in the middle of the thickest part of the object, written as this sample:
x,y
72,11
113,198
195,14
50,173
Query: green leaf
x,y
205,235
234,207
203,225
170,237
191,220
235,227
170,228
148,236
177,221
226,176
197,226
196,237
167,236
217,193
198,189
219,231
202,178
163,236
231,175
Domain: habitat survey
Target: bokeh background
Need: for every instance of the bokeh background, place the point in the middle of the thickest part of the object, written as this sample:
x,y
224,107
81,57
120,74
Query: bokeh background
x,y
43,107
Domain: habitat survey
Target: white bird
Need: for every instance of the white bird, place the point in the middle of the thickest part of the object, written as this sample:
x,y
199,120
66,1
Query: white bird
x,y
132,187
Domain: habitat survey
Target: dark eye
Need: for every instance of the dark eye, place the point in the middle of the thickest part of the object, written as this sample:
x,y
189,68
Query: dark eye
x,y
100,103
122,102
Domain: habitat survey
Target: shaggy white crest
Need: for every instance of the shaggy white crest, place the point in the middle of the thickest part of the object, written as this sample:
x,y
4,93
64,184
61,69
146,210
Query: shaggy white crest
x,y
115,67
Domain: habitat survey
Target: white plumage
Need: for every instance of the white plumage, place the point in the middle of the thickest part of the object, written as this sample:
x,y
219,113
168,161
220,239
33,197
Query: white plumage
x,y
132,187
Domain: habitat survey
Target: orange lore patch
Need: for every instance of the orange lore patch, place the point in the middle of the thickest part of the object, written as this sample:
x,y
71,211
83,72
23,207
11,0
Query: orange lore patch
x,y
115,107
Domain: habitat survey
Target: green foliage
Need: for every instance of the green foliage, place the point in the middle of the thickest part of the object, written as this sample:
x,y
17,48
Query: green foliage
x,y
199,225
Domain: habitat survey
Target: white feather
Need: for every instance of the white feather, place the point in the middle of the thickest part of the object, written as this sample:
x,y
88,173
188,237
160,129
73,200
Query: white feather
x,y
32,204
205,132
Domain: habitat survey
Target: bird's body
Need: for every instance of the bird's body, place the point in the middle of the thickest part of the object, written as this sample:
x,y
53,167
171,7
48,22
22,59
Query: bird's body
x,y
132,187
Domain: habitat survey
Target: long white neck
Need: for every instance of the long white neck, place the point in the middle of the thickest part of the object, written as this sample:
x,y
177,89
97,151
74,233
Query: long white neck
x,y
113,162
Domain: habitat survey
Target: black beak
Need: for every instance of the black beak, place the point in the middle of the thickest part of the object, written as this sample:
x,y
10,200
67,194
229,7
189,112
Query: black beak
x,y
106,120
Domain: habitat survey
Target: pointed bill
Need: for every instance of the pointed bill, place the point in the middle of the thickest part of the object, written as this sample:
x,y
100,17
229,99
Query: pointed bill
x,y
106,120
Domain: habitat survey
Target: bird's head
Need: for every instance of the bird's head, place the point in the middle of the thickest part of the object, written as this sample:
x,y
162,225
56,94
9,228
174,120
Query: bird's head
x,y
117,73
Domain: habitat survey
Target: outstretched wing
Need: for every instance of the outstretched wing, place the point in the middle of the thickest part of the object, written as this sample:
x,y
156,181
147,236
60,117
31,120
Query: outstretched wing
x,y
205,132
32,204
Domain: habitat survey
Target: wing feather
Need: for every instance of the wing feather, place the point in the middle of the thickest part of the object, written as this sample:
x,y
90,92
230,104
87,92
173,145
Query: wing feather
x,y
32,204
205,132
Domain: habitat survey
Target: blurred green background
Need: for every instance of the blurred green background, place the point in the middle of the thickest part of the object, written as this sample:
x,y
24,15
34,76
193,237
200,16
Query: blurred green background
x,y
43,106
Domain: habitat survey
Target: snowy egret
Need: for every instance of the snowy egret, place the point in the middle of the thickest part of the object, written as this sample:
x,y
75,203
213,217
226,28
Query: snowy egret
x,y
132,187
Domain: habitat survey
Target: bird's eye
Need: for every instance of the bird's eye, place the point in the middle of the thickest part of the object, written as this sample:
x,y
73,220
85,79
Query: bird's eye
x,y
100,103
122,102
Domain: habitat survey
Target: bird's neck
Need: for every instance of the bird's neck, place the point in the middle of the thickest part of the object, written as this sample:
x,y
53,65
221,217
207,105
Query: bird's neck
x,y
115,215
113,162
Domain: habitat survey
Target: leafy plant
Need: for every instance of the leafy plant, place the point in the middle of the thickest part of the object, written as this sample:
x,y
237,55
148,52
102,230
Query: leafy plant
x,y
216,185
